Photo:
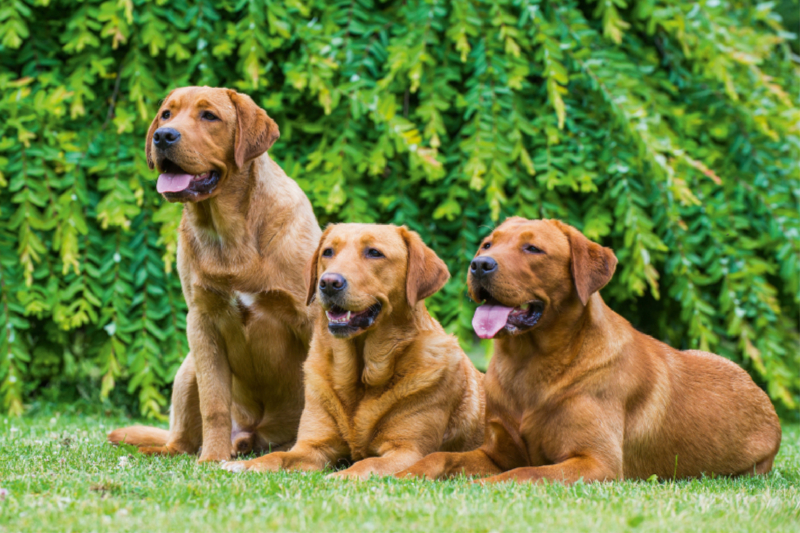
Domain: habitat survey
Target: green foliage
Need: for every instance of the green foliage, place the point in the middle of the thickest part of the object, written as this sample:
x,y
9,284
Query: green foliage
x,y
661,128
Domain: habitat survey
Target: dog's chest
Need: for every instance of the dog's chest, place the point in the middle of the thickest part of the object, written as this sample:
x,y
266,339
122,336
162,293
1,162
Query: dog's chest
x,y
526,407
363,441
359,418
259,331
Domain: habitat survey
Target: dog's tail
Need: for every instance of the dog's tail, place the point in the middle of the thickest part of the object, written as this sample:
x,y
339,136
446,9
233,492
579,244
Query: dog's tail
x,y
139,436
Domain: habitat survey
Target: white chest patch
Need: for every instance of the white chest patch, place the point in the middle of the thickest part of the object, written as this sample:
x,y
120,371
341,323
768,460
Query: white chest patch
x,y
247,299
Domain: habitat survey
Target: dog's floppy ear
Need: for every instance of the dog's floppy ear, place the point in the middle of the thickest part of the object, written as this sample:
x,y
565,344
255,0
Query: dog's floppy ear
x,y
426,272
148,146
592,265
255,131
310,272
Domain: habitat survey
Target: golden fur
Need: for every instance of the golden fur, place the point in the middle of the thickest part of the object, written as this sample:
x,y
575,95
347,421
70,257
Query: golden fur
x,y
583,395
386,395
243,244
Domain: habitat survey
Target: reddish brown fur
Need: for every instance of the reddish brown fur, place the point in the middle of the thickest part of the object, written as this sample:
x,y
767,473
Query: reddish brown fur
x,y
583,395
396,391
240,258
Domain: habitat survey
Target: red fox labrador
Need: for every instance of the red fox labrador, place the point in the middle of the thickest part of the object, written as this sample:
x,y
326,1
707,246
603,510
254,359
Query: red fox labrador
x,y
575,392
385,385
246,233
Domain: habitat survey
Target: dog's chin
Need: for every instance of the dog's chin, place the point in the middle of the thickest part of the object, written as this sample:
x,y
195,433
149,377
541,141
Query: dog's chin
x,y
344,323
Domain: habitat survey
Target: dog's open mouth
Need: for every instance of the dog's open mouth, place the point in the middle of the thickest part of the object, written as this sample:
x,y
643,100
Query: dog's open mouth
x,y
178,185
344,323
492,316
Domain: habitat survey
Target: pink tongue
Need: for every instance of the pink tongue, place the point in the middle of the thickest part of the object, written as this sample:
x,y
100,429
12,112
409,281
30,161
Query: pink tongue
x,y
489,319
173,182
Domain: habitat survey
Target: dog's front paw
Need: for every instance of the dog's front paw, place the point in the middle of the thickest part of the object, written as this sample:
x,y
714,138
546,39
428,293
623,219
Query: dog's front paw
x,y
234,466
430,467
351,474
214,457
262,464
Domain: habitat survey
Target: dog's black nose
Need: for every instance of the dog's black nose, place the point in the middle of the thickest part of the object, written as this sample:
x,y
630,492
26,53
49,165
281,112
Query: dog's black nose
x,y
482,266
330,284
164,137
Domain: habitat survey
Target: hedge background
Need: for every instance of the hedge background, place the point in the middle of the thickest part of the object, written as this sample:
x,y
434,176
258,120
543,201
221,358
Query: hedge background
x,y
665,129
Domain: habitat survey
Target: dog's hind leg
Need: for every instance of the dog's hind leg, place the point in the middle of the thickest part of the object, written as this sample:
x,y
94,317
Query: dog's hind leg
x,y
760,468
186,426
159,450
139,436
185,422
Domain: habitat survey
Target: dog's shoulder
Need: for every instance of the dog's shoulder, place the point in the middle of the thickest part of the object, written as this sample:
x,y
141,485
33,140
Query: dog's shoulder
x,y
436,349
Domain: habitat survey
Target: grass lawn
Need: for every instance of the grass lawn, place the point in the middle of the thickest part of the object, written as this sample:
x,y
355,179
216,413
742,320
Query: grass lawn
x,y
61,476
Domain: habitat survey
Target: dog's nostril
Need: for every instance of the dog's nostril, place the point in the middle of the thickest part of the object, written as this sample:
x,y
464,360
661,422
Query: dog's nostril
x,y
483,265
164,137
330,283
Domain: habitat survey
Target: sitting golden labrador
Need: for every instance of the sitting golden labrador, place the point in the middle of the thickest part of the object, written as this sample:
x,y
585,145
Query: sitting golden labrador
x,y
574,391
385,385
247,231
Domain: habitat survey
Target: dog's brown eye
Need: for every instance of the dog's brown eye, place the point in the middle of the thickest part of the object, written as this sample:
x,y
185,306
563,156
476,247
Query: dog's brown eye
x,y
487,246
327,252
207,115
372,252
166,114
531,249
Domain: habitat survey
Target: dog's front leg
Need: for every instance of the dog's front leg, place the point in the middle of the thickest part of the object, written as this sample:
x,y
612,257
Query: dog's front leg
x,y
443,465
589,469
214,385
393,461
303,457
502,450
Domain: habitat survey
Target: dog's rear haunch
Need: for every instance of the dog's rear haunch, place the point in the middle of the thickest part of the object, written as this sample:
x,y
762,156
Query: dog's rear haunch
x,y
573,391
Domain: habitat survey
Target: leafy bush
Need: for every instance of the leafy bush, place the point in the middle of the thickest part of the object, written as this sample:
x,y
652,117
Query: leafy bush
x,y
661,128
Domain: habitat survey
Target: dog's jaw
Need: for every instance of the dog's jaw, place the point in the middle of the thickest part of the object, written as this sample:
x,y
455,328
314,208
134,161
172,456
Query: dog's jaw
x,y
344,323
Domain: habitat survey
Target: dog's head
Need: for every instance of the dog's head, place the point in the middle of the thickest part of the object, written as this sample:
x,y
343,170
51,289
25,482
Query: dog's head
x,y
362,273
201,136
528,270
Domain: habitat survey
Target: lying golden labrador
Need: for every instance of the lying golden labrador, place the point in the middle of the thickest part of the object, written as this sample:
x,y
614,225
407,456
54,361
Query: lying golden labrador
x,y
575,392
385,385
246,233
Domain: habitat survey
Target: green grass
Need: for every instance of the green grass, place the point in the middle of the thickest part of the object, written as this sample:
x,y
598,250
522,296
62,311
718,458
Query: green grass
x,y
61,476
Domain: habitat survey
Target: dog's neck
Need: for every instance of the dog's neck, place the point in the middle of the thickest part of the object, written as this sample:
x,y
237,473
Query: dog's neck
x,y
222,219
368,360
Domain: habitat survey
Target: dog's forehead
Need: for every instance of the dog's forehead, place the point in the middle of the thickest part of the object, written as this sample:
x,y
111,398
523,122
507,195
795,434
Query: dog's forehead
x,y
364,234
200,97
534,231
